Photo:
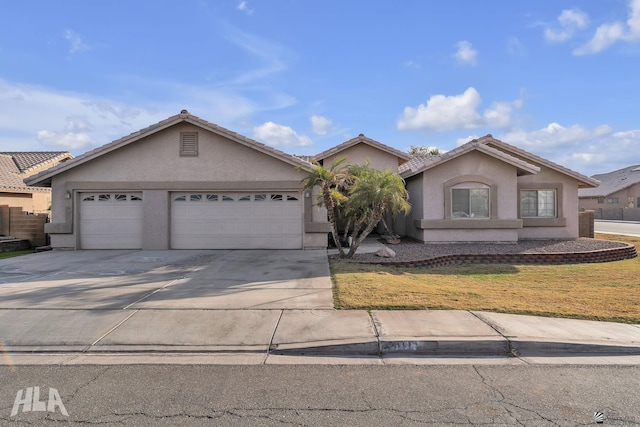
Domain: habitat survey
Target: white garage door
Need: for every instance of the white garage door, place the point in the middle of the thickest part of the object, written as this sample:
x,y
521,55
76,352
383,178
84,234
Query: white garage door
x,y
220,220
111,220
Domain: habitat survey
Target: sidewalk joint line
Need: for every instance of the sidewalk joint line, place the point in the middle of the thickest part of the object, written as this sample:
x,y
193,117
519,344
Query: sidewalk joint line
x,y
511,352
111,330
152,292
375,330
273,334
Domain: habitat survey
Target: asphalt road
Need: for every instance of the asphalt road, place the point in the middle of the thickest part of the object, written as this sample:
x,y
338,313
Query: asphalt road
x,y
326,395
615,227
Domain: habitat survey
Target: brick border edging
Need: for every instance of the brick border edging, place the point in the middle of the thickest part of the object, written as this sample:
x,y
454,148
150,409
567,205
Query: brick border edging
x,y
600,255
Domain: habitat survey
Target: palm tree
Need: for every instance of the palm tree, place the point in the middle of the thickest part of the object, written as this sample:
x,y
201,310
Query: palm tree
x,y
371,194
331,182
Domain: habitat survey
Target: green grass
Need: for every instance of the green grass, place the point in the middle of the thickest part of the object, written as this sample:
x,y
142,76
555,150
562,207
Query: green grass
x,y
603,291
11,254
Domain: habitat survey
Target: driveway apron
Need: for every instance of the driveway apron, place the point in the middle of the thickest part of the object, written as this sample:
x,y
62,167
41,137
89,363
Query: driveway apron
x,y
135,300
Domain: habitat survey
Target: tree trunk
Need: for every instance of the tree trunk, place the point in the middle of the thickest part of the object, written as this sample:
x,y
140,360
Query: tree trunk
x,y
358,239
331,215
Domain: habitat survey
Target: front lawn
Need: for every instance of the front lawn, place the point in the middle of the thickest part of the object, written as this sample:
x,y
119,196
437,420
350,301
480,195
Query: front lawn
x,y
11,254
603,291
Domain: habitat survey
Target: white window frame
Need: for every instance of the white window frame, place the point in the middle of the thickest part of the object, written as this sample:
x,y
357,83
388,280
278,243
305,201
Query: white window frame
x,y
541,208
472,213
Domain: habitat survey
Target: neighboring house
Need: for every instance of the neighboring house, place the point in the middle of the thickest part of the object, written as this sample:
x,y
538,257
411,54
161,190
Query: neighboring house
x,y
487,190
185,183
361,150
617,197
15,167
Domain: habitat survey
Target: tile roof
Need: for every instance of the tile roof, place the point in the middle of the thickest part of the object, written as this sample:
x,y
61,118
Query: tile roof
x,y
361,139
31,159
583,180
612,182
421,163
184,116
15,166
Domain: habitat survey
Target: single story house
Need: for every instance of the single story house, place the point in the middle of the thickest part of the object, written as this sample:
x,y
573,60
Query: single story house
x,y
185,183
488,190
15,167
617,197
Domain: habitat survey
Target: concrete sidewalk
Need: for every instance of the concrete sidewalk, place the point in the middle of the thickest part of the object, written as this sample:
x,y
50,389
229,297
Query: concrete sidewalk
x,y
317,336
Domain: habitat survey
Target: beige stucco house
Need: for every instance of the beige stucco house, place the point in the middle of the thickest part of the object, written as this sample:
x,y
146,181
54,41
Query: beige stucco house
x,y
488,190
617,197
362,150
185,183
15,167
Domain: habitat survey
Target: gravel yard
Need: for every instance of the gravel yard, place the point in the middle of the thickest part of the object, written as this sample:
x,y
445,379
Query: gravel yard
x,y
409,250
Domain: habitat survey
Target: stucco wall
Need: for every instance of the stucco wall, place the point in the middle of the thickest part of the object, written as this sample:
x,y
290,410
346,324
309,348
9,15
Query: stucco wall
x,y
566,225
435,224
37,202
153,165
359,154
627,198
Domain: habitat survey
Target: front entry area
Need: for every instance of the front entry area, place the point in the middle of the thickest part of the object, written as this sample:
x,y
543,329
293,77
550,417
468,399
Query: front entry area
x,y
236,220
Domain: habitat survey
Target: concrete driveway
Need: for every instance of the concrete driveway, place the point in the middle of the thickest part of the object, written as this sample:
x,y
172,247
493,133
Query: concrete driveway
x,y
82,300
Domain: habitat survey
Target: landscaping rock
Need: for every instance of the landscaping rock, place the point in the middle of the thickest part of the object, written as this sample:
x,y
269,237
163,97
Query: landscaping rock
x,y
385,252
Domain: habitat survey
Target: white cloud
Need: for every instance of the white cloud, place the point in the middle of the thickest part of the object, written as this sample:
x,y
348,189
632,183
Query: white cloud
x,y
320,125
583,149
555,137
605,36
243,6
515,47
457,112
611,32
411,64
570,20
465,53
75,42
272,58
66,141
280,136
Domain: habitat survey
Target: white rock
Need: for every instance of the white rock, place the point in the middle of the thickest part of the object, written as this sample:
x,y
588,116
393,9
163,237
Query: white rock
x,y
385,252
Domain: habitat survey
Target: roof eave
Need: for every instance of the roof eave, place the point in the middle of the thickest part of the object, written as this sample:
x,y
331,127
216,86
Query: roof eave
x,y
46,176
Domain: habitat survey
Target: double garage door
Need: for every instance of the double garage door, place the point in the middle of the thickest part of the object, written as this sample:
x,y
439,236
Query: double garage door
x,y
198,220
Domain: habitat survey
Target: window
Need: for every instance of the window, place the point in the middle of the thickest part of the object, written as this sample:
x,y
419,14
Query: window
x,y
470,203
189,143
212,197
612,200
245,198
538,203
195,197
600,200
260,197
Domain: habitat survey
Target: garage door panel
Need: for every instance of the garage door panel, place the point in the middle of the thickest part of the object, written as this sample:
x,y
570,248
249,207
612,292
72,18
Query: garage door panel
x,y
111,220
236,221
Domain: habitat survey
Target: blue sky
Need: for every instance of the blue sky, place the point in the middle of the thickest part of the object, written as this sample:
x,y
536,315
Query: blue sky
x,y
559,79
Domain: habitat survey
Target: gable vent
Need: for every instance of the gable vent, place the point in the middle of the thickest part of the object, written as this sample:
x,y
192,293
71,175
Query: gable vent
x,y
189,144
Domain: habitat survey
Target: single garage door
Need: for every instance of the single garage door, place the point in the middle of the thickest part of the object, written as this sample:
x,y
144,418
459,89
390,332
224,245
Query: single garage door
x,y
251,220
111,220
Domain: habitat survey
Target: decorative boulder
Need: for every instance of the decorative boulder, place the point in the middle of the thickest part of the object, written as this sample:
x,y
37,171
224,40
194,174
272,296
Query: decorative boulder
x,y
385,252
